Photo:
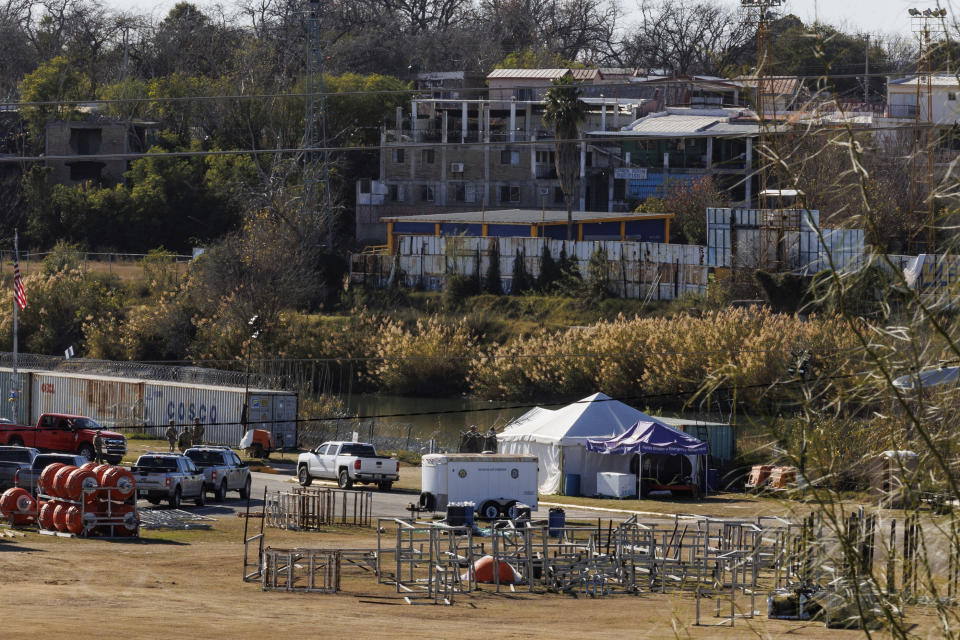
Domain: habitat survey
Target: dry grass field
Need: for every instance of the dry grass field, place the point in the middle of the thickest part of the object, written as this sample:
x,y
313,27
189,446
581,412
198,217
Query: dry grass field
x,y
176,584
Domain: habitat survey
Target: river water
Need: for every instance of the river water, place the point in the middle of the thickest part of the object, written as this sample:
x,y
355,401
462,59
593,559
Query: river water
x,y
412,423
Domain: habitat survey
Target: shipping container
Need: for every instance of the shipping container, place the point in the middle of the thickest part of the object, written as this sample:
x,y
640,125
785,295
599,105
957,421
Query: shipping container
x,y
220,410
150,405
113,402
719,436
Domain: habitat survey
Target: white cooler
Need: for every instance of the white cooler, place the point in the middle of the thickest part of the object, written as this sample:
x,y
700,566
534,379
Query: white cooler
x,y
616,485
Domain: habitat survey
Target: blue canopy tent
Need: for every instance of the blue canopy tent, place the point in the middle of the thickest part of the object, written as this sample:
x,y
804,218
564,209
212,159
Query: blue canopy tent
x,y
652,437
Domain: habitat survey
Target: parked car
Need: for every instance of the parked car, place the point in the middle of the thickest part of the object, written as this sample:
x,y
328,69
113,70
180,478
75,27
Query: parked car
x,y
13,460
168,476
222,470
65,433
347,463
29,478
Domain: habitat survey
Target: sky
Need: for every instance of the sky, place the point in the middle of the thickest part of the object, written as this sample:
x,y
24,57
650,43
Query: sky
x,y
884,17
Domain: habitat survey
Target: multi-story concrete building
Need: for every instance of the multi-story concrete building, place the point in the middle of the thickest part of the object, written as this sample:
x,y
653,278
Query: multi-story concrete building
x,y
98,149
448,155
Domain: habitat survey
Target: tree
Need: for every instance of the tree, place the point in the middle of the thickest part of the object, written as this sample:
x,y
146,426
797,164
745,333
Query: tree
x,y
492,283
521,279
686,38
54,81
565,112
549,271
598,273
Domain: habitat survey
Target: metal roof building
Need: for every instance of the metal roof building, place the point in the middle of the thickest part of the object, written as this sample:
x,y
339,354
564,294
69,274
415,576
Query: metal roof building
x,y
534,223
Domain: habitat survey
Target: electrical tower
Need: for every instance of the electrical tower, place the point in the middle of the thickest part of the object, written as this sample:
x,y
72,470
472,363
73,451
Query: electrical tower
x,y
315,131
926,24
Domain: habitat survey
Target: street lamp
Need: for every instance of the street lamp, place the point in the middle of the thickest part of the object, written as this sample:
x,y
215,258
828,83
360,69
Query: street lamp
x,y
255,330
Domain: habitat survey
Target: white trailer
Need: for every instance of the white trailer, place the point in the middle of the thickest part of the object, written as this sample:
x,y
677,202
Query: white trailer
x,y
493,482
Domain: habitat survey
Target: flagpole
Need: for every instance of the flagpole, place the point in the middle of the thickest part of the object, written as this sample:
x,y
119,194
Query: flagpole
x,y
14,383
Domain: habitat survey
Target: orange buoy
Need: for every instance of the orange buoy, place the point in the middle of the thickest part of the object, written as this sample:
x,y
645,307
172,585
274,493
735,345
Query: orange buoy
x,y
17,500
73,520
100,470
130,519
46,478
46,515
79,480
483,570
121,481
60,480
60,516
6,503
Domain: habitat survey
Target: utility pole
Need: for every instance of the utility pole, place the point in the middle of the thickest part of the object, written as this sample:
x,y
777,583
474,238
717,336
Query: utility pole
x,y
760,14
925,23
315,129
866,71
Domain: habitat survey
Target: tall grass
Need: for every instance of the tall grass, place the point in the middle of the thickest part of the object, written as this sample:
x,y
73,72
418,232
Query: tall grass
x,y
658,356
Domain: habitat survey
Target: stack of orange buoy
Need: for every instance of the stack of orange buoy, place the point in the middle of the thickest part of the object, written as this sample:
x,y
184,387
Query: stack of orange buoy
x,y
88,499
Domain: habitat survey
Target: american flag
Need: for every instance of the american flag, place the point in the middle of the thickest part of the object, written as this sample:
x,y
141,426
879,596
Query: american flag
x,y
19,292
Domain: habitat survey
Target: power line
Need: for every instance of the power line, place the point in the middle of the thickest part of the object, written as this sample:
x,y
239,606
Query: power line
x,y
746,83
526,405
594,141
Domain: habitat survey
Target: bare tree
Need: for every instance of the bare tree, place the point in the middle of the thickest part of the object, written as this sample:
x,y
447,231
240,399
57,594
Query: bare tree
x,y
696,38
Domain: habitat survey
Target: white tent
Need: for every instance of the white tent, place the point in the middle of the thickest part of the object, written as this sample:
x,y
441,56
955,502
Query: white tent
x,y
559,438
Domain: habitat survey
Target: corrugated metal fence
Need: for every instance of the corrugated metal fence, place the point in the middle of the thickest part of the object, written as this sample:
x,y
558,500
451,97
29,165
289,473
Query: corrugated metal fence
x,y
636,269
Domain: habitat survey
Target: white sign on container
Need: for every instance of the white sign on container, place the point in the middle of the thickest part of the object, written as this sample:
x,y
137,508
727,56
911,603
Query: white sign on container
x,y
630,173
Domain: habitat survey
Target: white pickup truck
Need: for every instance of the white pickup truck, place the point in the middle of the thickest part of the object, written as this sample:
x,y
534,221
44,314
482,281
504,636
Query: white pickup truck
x,y
347,463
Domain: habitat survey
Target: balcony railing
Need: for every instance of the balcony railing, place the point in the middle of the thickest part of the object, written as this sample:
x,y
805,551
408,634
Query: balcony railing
x,y
902,110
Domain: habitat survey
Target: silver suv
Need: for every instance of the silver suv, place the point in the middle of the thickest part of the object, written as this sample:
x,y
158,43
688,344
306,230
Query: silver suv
x,y
222,471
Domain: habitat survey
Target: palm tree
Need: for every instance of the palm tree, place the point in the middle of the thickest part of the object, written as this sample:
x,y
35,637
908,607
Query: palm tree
x,y
564,112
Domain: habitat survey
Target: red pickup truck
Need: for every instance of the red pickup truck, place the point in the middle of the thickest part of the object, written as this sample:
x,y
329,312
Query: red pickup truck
x,y
65,433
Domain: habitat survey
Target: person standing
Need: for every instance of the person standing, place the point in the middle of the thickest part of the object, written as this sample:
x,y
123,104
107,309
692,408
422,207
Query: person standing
x,y
183,440
197,432
98,446
171,435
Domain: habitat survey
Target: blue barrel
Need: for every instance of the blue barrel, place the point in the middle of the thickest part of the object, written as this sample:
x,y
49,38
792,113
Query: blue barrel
x,y
571,484
556,519
713,480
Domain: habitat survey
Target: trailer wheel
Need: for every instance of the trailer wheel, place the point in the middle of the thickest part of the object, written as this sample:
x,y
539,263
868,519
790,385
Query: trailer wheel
x,y
245,490
343,479
490,510
220,494
511,510
258,450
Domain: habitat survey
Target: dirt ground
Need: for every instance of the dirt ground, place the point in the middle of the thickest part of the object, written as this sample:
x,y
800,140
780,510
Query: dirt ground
x,y
188,584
